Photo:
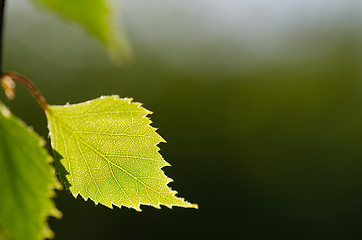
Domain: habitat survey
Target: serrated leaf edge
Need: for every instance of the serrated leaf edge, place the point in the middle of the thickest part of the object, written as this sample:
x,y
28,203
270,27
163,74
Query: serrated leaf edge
x,y
53,211
158,205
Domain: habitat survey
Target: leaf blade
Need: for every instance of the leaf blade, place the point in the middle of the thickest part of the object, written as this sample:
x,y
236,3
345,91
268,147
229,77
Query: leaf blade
x,y
27,181
98,18
115,149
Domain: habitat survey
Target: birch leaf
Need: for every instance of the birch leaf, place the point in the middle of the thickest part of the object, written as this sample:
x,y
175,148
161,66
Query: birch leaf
x,y
98,18
107,151
27,182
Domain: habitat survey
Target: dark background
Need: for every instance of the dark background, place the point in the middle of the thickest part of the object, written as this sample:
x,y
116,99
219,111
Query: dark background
x,y
264,134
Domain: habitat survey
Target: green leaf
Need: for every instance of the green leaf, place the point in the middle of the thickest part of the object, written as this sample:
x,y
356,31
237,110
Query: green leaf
x,y
98,18
107,151
27,182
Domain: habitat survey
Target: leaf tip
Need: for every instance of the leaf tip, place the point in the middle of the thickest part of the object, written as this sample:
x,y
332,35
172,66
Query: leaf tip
x,y
187,204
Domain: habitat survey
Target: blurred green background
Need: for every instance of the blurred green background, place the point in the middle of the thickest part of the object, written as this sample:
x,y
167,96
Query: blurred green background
x,y
260,103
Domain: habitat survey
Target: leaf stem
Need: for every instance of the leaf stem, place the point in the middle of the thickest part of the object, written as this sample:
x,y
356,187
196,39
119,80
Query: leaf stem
x,y
7,78
27,83
2,13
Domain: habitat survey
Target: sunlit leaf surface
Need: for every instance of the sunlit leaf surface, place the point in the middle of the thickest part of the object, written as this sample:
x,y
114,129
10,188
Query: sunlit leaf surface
x,y
107,151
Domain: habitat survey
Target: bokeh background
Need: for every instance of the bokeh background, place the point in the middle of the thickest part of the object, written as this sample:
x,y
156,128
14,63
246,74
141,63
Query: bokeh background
x,y
260,102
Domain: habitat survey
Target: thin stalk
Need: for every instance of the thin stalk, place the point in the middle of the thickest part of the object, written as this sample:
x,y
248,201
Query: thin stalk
x,y
28,84
2,13
7,78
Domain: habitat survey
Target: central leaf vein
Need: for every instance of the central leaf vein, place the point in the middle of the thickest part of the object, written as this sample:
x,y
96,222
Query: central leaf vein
x,y
79,139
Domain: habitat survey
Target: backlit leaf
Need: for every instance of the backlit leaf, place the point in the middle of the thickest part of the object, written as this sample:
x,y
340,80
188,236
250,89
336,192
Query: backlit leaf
x,y
98,17
27,182
107,151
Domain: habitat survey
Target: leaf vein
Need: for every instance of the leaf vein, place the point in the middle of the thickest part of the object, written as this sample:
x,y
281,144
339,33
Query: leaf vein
x,y
86,163
100,113
68,159
107,160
